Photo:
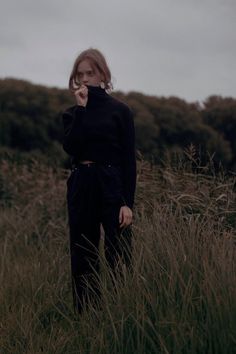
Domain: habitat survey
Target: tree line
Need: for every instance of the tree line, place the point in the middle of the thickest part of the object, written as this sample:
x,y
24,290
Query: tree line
x,y
30,122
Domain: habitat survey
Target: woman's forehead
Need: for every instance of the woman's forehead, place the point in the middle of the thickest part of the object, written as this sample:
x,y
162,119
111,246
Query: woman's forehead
x,y
86,64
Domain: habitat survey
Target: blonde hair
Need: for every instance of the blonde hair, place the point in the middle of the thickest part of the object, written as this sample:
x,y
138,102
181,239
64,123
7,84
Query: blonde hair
x,y
97,59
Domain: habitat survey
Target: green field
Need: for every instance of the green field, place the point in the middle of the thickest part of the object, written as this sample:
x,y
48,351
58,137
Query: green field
x,y
180,296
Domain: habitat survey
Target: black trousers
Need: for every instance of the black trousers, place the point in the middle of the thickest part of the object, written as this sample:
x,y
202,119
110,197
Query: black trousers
x,y
94,197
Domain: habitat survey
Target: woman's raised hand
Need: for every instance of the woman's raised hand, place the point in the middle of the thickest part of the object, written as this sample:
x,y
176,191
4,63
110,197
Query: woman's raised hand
x,y
81,94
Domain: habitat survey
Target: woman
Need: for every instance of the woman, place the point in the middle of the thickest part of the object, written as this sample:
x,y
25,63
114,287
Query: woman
x,y
100,137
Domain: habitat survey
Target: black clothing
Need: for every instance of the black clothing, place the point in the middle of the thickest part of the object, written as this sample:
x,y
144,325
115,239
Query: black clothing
x,y
103,132
94,196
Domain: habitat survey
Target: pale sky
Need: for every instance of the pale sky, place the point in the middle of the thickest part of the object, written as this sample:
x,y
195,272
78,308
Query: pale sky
x,y
185,48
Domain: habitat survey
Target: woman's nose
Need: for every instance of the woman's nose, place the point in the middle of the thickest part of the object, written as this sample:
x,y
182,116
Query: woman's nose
x,y
84,79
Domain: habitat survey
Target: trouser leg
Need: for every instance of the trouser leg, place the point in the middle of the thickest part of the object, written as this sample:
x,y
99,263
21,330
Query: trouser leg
x,y
84,228
117,241
84,265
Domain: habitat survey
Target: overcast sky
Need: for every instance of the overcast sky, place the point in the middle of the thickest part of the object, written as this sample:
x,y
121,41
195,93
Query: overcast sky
x,y
185,48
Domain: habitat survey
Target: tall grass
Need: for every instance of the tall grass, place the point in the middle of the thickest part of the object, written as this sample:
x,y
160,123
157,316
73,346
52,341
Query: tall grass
x,y
179,295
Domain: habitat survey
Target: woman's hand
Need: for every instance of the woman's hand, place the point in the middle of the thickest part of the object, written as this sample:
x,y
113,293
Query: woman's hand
x,y
125,216
81,95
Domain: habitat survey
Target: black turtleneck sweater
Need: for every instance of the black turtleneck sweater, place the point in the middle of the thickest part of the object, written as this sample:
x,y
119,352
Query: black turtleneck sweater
x,y
103,132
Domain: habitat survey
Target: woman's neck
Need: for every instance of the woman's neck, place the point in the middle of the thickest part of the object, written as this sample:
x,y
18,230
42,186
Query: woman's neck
x,y
96,95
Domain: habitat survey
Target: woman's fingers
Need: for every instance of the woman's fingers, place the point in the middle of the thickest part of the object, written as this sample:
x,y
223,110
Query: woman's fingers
x,y
75,86
81,95
125,216
121,216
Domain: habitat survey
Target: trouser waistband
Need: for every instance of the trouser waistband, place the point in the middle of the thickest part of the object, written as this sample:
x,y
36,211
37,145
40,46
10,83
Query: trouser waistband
x,y
89,164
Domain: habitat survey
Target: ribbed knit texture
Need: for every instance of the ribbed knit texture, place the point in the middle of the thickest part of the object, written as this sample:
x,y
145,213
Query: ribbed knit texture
x,y
103,132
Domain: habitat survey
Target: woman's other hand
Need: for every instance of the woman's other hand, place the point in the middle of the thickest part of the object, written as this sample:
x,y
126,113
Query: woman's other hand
x,y
125,216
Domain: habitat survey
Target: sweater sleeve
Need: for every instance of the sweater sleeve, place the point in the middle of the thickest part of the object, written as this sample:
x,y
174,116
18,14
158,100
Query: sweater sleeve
x,y
72,119
129,161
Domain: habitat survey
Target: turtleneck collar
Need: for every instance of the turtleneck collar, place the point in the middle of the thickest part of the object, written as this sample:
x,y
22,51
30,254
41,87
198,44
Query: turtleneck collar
x,y
96,95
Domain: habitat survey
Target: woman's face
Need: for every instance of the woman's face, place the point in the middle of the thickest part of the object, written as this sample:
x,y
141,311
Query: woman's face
x,y
88,74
